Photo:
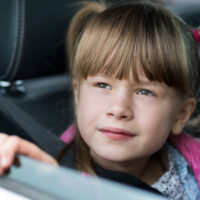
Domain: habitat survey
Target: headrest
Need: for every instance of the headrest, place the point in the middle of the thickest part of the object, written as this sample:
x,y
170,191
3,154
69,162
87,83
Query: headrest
x,y
32,37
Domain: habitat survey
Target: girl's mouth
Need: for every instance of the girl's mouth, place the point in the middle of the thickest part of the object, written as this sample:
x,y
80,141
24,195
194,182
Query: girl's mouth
x,y
116,133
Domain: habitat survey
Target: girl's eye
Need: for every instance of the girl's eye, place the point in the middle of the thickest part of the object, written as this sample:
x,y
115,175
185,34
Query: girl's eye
x,y
145,92
103,85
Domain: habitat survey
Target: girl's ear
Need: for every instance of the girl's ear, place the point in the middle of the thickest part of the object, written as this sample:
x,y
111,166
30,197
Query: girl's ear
x,y
184,114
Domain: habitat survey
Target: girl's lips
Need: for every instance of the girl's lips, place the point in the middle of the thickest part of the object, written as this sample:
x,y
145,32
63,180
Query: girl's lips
x,y
116,133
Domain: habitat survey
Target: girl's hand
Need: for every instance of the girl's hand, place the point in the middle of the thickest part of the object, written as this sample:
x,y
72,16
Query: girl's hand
x,y
12,145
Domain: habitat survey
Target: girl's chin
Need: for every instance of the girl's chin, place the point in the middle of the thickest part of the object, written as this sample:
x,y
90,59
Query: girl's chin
x,y
113,158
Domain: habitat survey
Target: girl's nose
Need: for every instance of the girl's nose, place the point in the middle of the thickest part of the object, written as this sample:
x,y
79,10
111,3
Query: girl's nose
x,y
120,108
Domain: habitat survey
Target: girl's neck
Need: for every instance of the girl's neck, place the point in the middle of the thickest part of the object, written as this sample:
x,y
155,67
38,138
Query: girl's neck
x,y
148,170
153,170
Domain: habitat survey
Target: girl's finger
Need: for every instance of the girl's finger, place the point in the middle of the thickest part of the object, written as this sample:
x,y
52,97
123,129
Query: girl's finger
x,y
8,150
12,145
3,138
15,145
35,152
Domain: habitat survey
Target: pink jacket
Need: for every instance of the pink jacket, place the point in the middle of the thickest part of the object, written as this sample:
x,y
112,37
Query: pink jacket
x,y
188,146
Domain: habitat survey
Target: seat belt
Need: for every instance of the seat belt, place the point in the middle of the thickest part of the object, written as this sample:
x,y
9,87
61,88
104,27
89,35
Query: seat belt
x,y
27,126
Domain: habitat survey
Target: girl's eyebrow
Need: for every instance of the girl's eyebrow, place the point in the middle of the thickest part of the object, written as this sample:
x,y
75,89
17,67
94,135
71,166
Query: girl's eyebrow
x,y
142,81
145,82
148,83
99,77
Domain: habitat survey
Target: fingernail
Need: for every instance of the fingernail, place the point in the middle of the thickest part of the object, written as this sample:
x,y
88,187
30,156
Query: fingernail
x,y
4,161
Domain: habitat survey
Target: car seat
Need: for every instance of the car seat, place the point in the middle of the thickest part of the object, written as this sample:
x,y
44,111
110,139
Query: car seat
x,y
32,65
33,78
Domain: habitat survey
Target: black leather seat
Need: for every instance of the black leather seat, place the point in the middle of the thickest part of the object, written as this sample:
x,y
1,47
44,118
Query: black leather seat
x,y
32,41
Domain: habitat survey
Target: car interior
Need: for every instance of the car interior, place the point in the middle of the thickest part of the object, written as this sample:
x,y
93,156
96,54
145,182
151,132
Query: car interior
x,y
35,94
33,68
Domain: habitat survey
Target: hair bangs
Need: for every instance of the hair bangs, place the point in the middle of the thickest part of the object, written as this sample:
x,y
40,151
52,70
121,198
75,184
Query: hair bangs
x,y
161,51
104,48
121,45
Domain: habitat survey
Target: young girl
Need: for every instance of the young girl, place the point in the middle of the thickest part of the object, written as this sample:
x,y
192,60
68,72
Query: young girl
x,y
135,75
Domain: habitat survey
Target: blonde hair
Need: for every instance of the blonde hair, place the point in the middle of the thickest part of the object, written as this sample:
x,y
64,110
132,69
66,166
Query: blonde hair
x,y
119,39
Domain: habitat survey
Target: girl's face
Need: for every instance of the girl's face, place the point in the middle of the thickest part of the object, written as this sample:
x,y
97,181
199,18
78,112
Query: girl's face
x,y
124,120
